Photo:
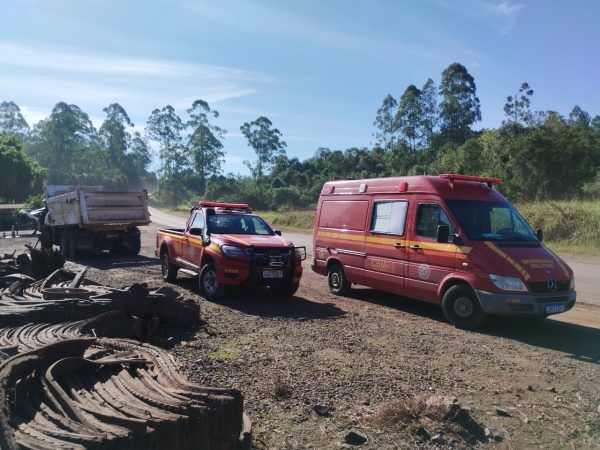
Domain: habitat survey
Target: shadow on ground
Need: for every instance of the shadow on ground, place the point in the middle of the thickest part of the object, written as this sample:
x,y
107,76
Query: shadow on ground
x,y
260,302
579,341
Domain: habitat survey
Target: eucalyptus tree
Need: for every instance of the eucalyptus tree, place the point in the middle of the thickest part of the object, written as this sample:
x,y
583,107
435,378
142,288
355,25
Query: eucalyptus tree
x,y
204,142
267,144
11,119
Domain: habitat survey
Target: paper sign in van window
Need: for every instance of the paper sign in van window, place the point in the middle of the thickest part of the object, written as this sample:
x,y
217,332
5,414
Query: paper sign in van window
x,y
389,217
344,215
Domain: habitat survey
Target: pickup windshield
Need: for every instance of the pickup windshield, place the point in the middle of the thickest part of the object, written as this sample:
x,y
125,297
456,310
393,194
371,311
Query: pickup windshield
x,y
238,224
491,221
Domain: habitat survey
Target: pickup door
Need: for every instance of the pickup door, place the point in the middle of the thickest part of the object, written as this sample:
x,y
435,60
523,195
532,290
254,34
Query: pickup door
x,y
192,242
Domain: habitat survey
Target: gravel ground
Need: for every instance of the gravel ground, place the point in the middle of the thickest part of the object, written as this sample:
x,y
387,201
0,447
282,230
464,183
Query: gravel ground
x,y
520,384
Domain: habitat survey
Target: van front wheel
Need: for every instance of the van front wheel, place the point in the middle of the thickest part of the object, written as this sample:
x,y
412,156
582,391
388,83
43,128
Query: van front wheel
x,y
461,307
338,283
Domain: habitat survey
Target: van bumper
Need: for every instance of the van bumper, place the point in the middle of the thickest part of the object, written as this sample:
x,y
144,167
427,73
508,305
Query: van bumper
x,y
525,304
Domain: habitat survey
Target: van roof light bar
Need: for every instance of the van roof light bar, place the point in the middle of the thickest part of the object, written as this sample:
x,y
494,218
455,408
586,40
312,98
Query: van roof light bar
x,y
487,180
238,206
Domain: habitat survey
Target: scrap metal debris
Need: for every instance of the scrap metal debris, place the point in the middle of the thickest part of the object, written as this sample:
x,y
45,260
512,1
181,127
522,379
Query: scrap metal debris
x,y
71,376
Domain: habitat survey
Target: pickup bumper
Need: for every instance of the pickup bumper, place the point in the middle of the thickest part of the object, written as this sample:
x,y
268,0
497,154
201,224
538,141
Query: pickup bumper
x,y
525,304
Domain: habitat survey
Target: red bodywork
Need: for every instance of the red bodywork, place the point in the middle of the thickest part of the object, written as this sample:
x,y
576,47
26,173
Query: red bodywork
x,y
418,266
190,251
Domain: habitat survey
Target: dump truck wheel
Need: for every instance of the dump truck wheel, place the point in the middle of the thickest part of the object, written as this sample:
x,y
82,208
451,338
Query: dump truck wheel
x,y
168,270
338,283
210,288
461,307
63,244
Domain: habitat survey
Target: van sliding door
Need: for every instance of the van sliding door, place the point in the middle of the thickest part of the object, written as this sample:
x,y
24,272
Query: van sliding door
x,y
386,246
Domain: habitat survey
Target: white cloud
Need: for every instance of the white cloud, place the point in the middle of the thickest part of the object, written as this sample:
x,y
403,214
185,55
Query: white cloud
x,y
508,12
83,63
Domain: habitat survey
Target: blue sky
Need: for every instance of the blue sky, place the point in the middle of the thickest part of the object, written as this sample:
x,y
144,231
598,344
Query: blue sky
x,y
317,69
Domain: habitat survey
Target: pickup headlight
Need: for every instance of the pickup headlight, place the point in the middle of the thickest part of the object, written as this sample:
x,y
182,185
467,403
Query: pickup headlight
x,y
231,251
572,283
508,283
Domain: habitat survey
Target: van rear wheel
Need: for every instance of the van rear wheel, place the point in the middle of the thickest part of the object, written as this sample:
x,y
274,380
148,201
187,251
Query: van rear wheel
x,y
338,283
461,307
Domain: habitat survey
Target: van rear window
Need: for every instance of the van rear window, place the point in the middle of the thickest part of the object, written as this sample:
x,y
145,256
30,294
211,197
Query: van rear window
x,y
344,214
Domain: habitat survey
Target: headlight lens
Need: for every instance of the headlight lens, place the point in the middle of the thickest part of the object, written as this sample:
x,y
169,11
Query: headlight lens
x,y
508,283
572,282
231,251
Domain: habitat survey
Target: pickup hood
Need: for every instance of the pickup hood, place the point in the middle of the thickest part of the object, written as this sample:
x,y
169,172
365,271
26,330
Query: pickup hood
x,y
531,263
250,239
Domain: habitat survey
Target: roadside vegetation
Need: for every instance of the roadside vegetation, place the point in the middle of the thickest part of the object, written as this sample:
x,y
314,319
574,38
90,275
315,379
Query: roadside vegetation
x,y
550,163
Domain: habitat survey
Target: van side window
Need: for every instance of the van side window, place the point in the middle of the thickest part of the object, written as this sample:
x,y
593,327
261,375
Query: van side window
x,y
429,216
389,217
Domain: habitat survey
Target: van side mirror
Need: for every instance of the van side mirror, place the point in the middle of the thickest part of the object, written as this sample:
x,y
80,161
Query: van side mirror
x,y
195,231
277,232
443,233
540,234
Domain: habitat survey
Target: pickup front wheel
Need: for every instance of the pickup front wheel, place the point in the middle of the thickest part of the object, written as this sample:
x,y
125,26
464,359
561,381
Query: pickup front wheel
x,y
169,271
210,288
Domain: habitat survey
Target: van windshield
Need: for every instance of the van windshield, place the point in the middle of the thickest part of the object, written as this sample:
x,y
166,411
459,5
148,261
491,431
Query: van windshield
x,y
238,224
491,221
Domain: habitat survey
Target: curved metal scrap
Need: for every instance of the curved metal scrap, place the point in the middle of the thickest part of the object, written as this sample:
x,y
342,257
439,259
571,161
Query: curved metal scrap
x,y
111,394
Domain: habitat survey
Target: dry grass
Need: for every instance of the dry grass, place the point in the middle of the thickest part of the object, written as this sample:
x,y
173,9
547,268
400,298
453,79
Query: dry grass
x,y
409,410
281,389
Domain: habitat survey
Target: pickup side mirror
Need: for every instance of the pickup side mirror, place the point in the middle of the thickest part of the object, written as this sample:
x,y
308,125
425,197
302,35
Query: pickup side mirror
x,y
277,232
443,233
195,231
540,234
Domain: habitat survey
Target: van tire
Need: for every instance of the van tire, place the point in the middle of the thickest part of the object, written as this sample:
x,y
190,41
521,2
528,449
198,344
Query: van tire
x,y
338,283
461,307
210,288
168,270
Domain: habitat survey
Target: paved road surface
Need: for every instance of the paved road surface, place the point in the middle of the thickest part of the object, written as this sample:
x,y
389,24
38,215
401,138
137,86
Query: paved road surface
x,y
587,269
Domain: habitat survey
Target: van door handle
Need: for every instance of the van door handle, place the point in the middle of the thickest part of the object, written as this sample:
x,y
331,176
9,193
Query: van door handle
x,y
415,247
398,245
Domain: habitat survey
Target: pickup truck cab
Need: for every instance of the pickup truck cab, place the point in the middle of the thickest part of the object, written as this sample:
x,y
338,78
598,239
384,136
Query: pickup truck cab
x,y
448,239
225,245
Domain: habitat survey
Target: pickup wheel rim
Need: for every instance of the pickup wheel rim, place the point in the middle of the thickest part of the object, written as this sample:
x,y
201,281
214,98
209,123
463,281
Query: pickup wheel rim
x,y
463,307
209,281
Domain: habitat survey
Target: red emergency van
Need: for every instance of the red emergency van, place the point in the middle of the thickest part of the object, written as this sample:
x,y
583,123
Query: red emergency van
x,y
447,239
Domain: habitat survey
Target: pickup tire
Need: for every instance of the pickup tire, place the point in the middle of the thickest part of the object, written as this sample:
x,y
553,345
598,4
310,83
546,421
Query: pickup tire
x,y
168,270
210,288
286,290
461,307
338,283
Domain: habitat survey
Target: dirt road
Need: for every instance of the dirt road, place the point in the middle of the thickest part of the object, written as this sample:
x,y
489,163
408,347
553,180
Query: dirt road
x,y
317,366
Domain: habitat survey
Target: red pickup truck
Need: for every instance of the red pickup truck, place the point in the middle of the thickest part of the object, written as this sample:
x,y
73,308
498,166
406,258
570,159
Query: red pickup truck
x,y
225,245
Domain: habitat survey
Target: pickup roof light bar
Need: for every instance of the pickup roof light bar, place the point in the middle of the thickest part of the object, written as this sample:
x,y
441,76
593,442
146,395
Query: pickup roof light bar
x,y
487,180
237,206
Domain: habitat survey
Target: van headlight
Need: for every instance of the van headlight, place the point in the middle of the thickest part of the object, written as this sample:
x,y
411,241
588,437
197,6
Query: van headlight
x,y
231,251
572,283
508,283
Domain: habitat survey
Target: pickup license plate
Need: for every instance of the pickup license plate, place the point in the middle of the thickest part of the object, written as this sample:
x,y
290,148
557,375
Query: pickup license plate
x,y
272,273
550,309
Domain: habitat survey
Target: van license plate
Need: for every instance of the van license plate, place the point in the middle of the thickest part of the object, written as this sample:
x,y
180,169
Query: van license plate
x,y
550,309
272,273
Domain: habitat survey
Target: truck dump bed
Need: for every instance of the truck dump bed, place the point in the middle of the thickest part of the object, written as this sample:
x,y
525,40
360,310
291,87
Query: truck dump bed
x,y
93,208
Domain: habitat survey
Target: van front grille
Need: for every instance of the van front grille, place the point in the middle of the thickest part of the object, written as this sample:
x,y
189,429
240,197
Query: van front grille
x,y
541,287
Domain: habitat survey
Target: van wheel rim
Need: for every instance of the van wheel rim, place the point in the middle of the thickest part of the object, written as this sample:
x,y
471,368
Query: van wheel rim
x,y
209,282
335,280
463,307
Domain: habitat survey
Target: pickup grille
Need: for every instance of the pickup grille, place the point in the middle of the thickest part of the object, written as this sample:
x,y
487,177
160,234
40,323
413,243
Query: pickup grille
x,y
541,287
272,257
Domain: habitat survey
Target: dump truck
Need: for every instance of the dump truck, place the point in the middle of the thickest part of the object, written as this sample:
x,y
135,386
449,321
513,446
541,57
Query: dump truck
x,y
87,218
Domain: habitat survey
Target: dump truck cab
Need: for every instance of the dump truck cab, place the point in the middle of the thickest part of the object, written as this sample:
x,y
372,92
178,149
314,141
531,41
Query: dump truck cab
x,y
448,239
225,245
